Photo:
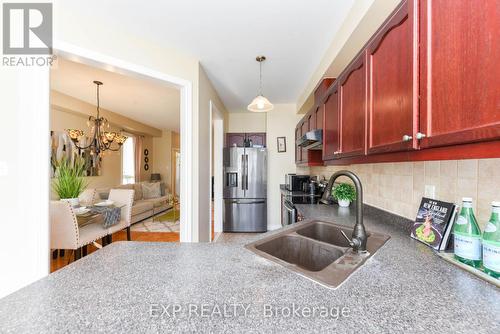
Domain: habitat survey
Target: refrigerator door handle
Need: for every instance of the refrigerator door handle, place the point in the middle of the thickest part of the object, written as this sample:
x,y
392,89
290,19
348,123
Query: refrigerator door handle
x,y
246,171
243,172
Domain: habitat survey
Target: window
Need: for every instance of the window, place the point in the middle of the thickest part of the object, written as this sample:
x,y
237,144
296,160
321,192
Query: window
x,y
128,161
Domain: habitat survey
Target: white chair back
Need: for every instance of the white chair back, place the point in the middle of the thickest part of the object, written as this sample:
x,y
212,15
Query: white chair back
x,y
64,232
125,198
87,197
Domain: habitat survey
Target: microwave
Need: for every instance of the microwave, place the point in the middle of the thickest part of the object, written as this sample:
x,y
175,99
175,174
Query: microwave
x,y
294,182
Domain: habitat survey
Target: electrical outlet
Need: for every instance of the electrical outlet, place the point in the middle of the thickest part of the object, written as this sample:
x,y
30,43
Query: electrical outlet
x,y
430,191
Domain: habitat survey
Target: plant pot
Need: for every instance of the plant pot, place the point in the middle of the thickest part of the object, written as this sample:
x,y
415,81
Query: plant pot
x,y
74,202
344,203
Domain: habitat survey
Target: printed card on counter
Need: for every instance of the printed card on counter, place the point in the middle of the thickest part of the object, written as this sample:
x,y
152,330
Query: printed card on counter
x,y
434,223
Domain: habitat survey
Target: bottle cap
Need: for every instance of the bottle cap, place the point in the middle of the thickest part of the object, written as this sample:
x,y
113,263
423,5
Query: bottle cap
x,y
495,204
466,199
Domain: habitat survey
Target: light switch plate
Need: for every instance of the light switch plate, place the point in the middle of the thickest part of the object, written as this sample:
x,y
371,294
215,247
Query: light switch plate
x,y
430,191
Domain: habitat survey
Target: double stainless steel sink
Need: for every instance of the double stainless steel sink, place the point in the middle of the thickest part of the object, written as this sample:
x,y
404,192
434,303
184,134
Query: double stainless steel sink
x,y
317,250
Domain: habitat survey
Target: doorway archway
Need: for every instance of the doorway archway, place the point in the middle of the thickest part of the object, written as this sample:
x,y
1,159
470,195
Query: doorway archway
x,y
113,64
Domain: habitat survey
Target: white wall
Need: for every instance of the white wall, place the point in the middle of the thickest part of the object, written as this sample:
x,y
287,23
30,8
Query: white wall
x,y
24,176
162,152
280,122
207,94
246,122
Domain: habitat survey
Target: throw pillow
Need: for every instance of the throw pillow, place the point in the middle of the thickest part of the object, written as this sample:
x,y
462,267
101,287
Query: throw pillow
x,y
151,190
138,192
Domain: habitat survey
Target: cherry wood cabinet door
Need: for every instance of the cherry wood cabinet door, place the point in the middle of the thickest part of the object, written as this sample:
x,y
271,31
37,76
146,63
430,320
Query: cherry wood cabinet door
x,y
331,128
318,117
257,138
393,83
353,108
459,72
304,129
313,122
298,149
235,138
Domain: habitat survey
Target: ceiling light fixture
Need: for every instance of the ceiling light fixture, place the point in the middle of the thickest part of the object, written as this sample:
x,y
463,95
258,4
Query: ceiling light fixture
x,y
100,139
260,103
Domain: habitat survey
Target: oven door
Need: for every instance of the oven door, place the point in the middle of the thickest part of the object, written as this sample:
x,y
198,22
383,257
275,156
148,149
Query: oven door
x,y
289,213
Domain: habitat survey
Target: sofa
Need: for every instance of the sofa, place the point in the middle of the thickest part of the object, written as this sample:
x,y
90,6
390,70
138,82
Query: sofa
x,y
143,208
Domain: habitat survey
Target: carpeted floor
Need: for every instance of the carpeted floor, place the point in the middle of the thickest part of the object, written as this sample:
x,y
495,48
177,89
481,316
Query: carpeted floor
x,y
165,222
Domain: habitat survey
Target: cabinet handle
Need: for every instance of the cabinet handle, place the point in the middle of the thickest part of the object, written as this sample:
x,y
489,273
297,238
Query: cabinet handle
x,y
420,135
407,138
336,152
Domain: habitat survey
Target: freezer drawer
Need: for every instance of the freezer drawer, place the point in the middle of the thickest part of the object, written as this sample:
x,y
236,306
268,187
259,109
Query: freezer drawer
x,y
245,215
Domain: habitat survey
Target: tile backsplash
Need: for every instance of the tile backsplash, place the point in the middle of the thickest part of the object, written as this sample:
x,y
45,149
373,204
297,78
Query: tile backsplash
x,y
399,187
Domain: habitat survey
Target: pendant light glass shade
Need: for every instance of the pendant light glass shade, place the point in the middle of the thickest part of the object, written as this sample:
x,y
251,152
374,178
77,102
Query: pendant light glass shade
x,y
260,104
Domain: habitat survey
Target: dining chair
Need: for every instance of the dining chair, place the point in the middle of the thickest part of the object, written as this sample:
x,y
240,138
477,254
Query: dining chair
x,y
125,199
87,197
65,232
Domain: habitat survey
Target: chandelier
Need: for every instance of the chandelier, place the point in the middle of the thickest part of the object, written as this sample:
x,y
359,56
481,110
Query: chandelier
x,y
100,139
260,103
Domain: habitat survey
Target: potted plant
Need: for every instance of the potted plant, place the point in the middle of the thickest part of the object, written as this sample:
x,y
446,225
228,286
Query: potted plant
x,y
70,182
344,193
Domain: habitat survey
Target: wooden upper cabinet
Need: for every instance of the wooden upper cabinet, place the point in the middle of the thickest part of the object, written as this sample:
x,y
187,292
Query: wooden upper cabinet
x,y
257,138
331,128
304,129
312,120
298,150
393,84
459,72
353,97
318,117
238,139
235,139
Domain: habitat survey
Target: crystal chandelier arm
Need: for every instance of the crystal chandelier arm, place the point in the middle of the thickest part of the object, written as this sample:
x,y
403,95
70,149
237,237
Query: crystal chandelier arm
x,y
75,142
98,103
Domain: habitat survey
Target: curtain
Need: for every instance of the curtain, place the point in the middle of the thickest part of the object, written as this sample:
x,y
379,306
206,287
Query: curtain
x,y
138,158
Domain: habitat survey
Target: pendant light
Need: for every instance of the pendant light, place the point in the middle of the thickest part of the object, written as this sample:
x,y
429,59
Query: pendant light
x,y
260,103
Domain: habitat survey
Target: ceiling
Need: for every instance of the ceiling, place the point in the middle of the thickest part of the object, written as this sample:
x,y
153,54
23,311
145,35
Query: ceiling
x,y
227,35
144,101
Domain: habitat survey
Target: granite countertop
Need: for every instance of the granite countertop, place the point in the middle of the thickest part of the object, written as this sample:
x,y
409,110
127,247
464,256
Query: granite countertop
x,y
135,287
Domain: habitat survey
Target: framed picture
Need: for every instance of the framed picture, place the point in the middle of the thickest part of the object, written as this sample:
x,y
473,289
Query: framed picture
x,y
281,144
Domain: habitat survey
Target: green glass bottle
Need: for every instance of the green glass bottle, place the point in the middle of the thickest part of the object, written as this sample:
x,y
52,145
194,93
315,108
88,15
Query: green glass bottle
x,y
467,236
491,242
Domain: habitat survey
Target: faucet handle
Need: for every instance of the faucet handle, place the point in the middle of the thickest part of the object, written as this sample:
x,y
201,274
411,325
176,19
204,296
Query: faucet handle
x,y
354,243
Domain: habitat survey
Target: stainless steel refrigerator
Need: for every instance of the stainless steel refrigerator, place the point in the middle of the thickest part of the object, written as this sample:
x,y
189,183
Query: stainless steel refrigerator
x,y
245,189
